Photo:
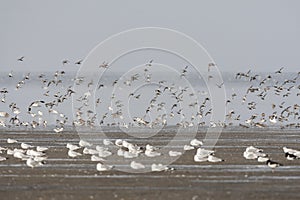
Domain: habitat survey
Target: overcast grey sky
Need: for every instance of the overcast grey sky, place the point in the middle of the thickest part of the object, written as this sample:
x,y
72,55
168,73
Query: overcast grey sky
x,y
261,35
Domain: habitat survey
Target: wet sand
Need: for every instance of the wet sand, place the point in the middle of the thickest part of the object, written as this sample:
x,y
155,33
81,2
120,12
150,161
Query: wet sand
x,y
236,178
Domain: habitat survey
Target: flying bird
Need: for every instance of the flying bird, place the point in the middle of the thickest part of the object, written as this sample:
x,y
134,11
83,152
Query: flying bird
x,y
21,59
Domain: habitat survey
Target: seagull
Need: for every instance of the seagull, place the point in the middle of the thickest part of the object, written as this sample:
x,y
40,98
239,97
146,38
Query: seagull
x,y
78,62
58,130
21,59
203,155
73,154
196,143
136,165
210,65
102,167
40,159
4,114
149,63
151,153
89,151
97,158
188,147
104,153
104,65
10,74
158,167
279,71
127,154
41,149
220,85
72,147
204,152
262,159
252,153
253,149
290,151
174,153
34,153
119,142
2,158
214,159
26,146
200,158
11,141
107,142
83,143
32,163
20,155
65,62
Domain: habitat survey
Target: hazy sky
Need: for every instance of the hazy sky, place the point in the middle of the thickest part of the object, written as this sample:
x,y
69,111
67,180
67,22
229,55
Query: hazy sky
x,y
262,35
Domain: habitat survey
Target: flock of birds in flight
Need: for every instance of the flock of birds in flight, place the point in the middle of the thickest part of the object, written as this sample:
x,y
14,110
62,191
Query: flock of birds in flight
x,y
260,87
36,156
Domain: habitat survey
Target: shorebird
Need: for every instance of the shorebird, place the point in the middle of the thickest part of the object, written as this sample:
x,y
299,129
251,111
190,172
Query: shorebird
x,y
188,147
64,62
21,59
102,167
89,151
78,62
4,114
210,65
58,129
107,142
183,72
214,159
200,158
11,141
291,154
97,158
158,167
33,163
84,143
73,154
136,165
41,149
26,146
104,65
103,153
72,146
220,85
34,153
2,158
252,153
174,153
262,159
273,164
196,143
151,153
10,74
20,155
279,71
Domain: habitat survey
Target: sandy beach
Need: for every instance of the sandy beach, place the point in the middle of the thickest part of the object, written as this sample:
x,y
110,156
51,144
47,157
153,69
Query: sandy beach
x,y
63,177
